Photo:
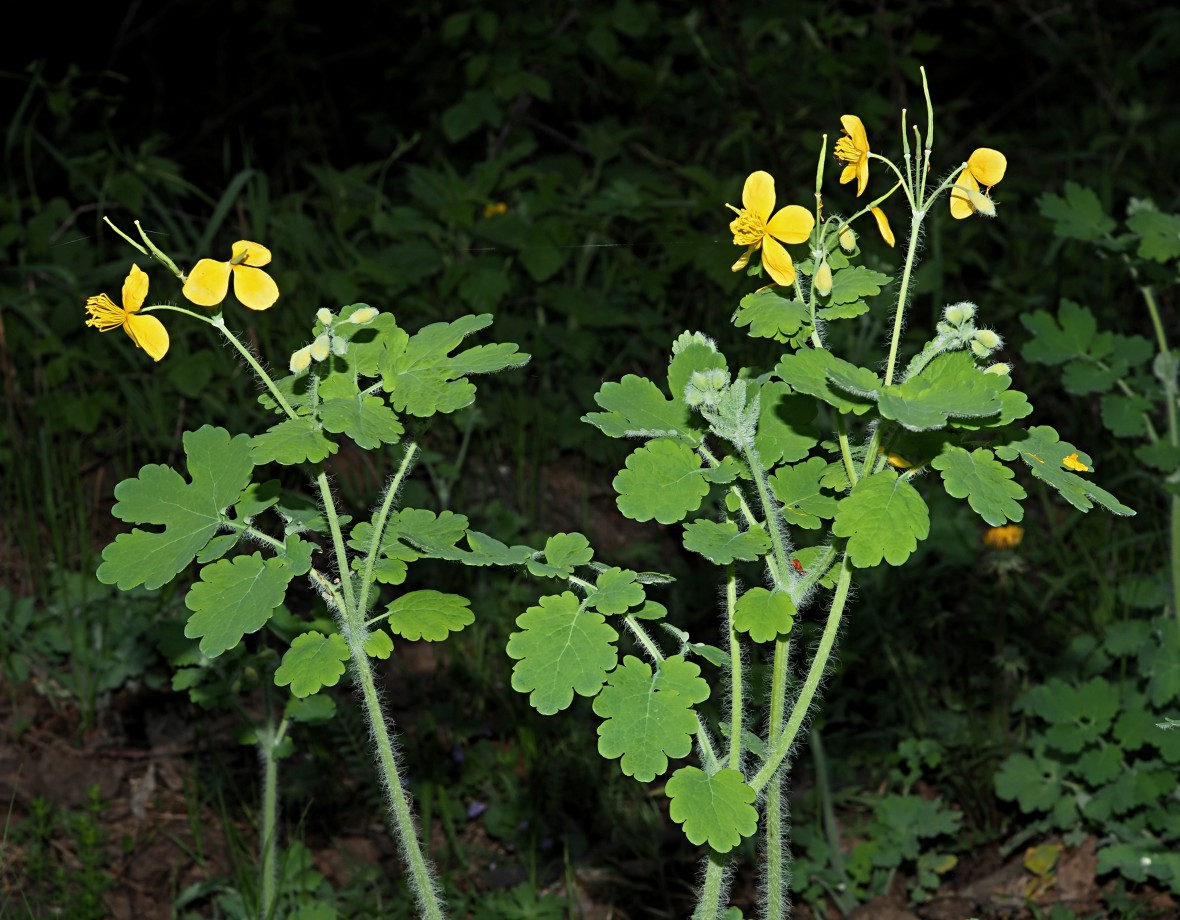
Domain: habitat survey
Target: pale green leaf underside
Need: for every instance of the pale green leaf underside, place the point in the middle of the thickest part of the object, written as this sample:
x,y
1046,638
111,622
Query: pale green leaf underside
x,y
882,517
429,614
715,809
722,543
981,479
312,662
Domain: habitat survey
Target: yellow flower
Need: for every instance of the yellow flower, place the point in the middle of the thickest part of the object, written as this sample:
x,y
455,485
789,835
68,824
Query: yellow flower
x,y
883,225
853,149
1073,463
146,332
208,282
491,210
754,228
985,168
1005,537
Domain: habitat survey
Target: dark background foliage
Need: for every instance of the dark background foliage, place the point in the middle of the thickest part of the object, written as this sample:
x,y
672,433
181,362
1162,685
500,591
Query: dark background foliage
x,y
362,142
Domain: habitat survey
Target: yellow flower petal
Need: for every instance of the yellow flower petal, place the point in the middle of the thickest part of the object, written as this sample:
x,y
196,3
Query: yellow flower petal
x,y
758,194
148,333
777,261
856,131
883,226
847,174
792,224
207,283
254,287
987,166
743,260
862,175
1005,537
135,289
256,255
1073,463
960,197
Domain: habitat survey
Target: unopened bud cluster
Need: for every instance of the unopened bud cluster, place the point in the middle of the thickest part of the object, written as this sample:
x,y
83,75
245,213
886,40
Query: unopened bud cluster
x,y
329,342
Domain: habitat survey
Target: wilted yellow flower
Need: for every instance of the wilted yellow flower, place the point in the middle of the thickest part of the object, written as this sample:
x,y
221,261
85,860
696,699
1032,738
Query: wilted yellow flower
x,y
1005,537
985,168
883,225
1073,463
754,228
208,282
853,149
895,460
492,210
146,332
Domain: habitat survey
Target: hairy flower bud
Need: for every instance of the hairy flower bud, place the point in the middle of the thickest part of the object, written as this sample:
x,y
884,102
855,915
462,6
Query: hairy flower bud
x,y
324,315
823,279
988,339
321,346
1000,370
981,203
363,315
959,313
301,360
847,239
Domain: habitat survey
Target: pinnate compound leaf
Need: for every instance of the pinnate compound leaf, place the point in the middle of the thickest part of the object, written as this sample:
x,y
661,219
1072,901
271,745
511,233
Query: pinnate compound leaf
x,y
1062,338
798,489
716,809
808,370
785,432
764,615
297,440
366,419
635,407
663,480
883,517
615,591
950,386
312,662
722,543
1044,454
560,650
645,723
1078,215
981,479
191,513
423,378
771,316
563,551
235,597
429,615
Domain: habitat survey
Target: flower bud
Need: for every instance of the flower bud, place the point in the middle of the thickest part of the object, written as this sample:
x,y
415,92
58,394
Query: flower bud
x,y
1000,370
823,279
324,315
339,346
979,350
847,239
321,346
959,313
363,315
988,339
301,360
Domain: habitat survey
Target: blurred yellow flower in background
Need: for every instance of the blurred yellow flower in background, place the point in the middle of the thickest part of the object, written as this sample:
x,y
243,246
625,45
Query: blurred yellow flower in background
x,y
1006,537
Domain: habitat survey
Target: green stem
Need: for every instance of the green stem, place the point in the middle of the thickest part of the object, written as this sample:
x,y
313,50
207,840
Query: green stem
x,y
218,321
379,526
776,831
712,891
268,747
422,874
782,745
772,515
736,708
902,293
644,639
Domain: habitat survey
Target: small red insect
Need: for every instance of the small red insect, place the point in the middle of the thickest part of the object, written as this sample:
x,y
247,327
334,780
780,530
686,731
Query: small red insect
x,y
797,566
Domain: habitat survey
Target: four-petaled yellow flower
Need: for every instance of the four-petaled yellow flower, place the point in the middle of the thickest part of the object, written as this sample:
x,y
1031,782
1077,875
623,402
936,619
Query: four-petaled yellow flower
x,y
754,228
853,149
208,282
985,168
1006,537
146,332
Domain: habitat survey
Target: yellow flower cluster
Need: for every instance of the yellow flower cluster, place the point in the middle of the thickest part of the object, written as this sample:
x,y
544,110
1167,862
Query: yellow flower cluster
x,y
207,285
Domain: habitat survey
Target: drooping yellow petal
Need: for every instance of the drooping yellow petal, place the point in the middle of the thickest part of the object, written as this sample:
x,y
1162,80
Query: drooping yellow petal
x,y
856,131
207,283
987,166
792,224
135,289
256,254
883,226
758,194
742,261
105,314
848,174
777,262
148,333
254,287
960,197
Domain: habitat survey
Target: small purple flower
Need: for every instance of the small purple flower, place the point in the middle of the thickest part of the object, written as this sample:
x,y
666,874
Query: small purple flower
x,y
475,809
